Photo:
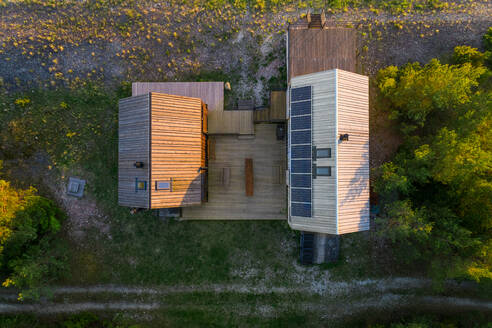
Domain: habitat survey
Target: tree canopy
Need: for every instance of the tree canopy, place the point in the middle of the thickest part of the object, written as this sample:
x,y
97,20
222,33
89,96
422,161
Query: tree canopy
x,y
30,255
437,191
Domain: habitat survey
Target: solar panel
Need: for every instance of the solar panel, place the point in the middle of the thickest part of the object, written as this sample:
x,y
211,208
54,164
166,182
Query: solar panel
x,y
301,195
300,180
301,137
300,143
302,93
300,122
303,151
301,209
300,166
300,108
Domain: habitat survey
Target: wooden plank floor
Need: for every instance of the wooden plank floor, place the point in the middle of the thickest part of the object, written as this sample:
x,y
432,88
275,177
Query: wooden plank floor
x,y
276,111
316,50
269,200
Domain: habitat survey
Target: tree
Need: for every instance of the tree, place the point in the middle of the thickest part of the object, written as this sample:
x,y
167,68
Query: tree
x,y
30,253
437,191
419,93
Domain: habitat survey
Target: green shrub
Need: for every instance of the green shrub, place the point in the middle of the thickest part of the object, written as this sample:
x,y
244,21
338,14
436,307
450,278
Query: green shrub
x,y
30,254
487,40
466,54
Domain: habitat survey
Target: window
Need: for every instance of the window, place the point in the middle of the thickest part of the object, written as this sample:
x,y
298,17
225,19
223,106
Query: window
x,y
321,153
163,185
322,171
140,185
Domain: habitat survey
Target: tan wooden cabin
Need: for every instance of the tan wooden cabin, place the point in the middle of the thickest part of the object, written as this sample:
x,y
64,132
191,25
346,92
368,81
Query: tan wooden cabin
x,y
328,152
162,151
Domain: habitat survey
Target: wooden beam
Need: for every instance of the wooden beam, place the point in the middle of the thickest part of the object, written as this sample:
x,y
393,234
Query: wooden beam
x,y
211,148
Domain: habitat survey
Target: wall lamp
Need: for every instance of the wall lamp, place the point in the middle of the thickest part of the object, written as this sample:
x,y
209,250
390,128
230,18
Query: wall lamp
x,y
344,137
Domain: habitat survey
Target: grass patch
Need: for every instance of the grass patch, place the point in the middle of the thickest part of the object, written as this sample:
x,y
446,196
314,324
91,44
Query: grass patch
x,y
163,318
143,249
157,252
355,259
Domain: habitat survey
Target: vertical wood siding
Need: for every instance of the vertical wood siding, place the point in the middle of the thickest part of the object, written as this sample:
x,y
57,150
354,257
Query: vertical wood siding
x,y
211,93
133,146
323,136
176,149
353,155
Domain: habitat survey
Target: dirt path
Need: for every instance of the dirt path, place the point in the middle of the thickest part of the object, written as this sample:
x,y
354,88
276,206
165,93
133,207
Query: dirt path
x,y
334,300
324,288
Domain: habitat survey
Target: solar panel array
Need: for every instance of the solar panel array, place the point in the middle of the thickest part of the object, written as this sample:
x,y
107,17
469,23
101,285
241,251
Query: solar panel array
x,y
300,152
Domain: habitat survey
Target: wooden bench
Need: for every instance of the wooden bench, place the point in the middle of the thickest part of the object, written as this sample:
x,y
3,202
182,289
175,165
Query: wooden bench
x,y
248,170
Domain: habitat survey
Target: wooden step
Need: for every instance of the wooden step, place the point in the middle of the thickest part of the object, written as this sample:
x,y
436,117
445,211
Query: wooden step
x,y
316,20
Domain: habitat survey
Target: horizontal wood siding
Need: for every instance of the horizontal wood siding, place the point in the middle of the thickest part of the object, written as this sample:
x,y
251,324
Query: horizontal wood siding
x,y
353,155
133,146
176,149
317,50
323,136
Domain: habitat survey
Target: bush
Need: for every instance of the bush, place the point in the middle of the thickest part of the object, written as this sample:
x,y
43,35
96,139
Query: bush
x,y
487,40
466,54
30,254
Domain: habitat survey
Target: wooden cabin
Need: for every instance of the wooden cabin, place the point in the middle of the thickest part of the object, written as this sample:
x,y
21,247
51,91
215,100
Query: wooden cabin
x,y
162,151
328,152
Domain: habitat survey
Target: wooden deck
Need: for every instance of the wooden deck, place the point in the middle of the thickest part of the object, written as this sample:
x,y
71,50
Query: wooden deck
x,y
314,50
220,121
227,199
276,111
